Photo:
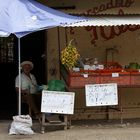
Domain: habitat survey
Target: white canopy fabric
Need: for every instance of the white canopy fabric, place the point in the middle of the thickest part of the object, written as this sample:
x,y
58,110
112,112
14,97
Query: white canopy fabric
x,y
21,17
109,20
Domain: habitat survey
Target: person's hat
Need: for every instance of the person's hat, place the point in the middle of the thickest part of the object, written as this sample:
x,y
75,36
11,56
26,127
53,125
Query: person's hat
x,y
27,62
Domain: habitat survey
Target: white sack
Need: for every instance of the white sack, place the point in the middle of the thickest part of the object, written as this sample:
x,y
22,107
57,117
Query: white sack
x,y
21,125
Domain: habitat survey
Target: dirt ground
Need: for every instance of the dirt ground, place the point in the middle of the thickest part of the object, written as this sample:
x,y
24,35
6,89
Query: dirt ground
x,y
81,130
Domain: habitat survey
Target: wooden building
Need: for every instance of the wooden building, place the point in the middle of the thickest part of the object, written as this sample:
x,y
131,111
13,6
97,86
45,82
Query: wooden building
x,y
112,43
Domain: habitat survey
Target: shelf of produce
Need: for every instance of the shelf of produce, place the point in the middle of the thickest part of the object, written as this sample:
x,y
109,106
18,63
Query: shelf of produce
x,y
124,78
78,79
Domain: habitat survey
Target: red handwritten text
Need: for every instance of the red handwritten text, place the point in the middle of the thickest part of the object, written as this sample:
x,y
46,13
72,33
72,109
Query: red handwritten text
x,y
112,31
111,4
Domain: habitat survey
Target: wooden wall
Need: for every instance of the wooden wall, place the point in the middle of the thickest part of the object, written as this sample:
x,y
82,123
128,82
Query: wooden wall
x,y
93,42
93,7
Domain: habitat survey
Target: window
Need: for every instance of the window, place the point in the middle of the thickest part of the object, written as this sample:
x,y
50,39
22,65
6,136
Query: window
x,y
6,49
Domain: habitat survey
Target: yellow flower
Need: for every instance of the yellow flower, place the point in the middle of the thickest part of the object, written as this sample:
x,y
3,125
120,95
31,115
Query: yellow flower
x,y
69,56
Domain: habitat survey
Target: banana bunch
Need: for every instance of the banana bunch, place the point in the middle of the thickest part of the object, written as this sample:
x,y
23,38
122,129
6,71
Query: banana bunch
x,y
69,56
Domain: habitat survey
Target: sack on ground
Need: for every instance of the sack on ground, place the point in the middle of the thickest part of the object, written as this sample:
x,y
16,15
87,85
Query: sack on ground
x,y
21,125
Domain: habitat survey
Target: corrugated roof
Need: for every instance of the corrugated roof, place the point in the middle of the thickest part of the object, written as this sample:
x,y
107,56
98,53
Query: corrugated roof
x,y
109,20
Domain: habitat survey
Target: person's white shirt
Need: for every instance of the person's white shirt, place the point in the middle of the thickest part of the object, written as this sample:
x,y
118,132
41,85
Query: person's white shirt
x,y
27,83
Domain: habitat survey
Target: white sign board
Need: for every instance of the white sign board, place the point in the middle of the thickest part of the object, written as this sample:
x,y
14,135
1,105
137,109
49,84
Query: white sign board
x,y
57,102
101,94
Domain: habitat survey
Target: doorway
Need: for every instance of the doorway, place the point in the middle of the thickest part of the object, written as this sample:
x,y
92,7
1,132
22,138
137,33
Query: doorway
x,y
32,48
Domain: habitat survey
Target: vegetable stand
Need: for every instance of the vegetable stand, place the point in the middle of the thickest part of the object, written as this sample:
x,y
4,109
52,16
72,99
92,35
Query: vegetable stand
x,y
76,80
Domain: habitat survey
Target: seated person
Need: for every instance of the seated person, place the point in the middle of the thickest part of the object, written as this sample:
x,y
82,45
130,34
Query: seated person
x,y
28,87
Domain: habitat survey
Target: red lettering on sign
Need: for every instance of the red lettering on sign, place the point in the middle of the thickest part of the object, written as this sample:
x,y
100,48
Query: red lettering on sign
x,y
112,31
110,5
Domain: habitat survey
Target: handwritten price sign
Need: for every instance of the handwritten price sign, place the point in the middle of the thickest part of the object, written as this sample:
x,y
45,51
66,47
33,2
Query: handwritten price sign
x,y
57,102
101,94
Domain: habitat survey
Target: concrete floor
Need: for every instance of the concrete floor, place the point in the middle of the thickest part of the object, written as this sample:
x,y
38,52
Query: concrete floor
x,y
82,130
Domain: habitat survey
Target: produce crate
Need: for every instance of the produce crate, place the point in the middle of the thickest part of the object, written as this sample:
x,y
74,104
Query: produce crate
x,y
80,80
135,78
122,79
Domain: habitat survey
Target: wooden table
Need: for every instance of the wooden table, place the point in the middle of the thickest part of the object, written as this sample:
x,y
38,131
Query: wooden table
x,y
124,79
66,122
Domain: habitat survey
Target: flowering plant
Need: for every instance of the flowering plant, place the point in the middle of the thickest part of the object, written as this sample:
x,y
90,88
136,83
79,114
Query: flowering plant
x,y
69,56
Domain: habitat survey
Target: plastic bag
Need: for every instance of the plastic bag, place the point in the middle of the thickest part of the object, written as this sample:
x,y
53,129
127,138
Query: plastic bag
x,y
56,85
21,125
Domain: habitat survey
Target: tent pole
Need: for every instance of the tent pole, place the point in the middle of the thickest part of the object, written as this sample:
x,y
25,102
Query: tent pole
x,y
59,49
19,71
66,36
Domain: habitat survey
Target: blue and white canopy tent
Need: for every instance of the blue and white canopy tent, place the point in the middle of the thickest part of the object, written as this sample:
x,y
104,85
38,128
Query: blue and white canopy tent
x,y
22,17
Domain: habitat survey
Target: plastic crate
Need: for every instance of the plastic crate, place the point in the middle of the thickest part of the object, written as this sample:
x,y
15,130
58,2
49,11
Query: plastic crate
x,y
135,79
122,79
80,80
